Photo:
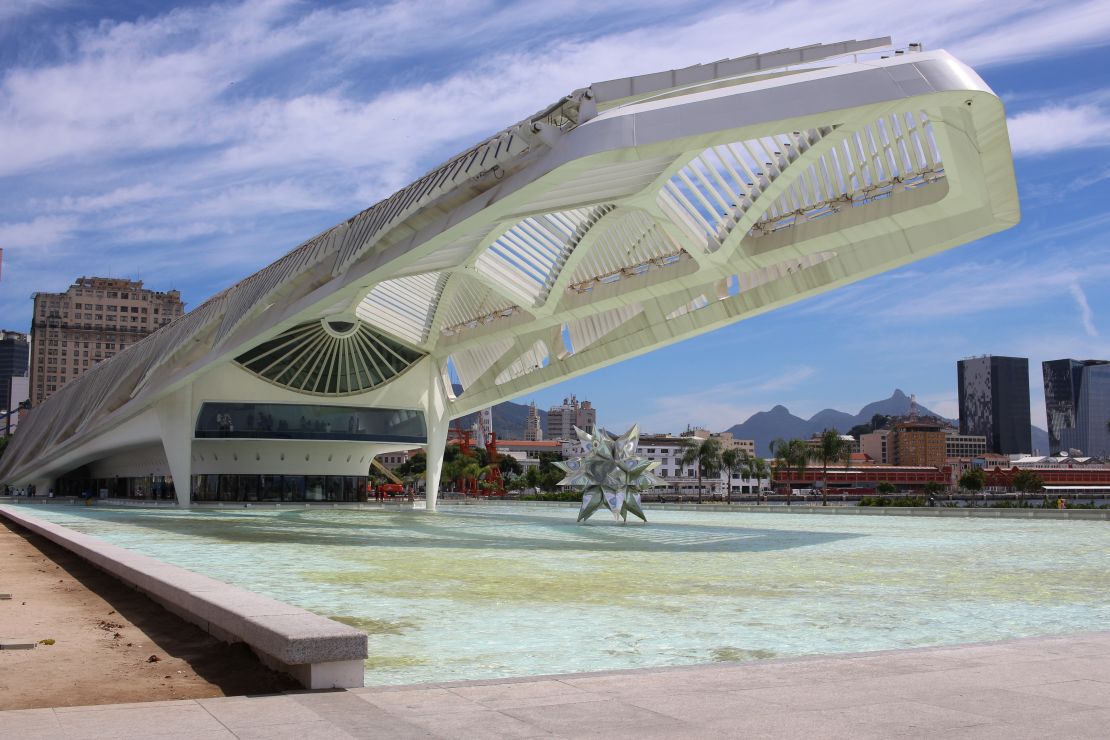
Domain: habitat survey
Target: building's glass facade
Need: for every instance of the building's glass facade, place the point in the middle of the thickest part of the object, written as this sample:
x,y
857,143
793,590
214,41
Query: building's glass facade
x,y
1061,378
1077,400
261,488
1010,398
994,402
310,421
280,488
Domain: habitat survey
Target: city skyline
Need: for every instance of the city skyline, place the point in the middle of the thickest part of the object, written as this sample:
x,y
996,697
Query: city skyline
x,y
199,204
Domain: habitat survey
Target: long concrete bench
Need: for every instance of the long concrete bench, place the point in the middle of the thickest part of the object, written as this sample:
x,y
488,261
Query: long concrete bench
x,y
318,652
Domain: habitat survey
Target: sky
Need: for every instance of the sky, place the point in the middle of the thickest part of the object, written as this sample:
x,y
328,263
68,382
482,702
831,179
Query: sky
x,y
190,144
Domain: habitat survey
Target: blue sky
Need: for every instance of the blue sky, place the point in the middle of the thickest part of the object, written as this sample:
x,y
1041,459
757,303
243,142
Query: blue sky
x,y
189,145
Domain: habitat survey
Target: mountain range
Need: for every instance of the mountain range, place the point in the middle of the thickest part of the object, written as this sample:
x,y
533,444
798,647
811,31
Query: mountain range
x,y
509,420
765,426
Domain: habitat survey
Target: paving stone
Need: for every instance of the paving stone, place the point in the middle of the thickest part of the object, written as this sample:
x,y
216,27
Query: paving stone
x,y
905,718
187,719
701,707
359,718
421,701
476,724
258,711
130,705
526,694
319,730
1094,693
584,719
1041,688
1003,704
30,723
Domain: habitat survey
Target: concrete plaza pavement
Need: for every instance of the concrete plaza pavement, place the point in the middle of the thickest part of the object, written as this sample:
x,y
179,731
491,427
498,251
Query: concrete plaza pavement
x,y
1056,687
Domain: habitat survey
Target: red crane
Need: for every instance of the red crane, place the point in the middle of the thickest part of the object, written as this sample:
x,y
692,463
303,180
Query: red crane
x,y
495,484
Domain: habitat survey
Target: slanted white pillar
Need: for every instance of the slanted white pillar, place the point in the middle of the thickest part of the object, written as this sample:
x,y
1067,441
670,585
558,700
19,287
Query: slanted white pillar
x,y
438,420
175,415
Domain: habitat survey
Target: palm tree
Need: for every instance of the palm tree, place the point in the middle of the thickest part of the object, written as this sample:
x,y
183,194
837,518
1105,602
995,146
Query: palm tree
x,y
832,448
705,454
778,458
733,459
796,453
757,470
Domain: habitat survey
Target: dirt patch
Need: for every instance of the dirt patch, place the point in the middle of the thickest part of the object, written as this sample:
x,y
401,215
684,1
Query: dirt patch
x,y
111,644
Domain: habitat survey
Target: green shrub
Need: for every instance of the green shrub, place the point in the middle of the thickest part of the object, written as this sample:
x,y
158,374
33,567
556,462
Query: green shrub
x,y
555,496
892,501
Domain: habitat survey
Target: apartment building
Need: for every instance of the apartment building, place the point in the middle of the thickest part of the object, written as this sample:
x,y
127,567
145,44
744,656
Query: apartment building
x,y
918,444
94,319
562,419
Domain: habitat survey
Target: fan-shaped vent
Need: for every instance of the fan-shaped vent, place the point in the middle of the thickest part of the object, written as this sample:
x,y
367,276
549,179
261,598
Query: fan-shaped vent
x,y
338,359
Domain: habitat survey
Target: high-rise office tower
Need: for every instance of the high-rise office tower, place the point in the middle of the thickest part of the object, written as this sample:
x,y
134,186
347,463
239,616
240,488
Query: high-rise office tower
x,y
93,320
14,352
994,402
1077,400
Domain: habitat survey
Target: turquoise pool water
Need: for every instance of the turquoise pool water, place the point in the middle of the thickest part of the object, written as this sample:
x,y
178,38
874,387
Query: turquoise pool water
x,y
483,592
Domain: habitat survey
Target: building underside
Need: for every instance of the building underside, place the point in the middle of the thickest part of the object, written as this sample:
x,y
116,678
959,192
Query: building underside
x,y
629,215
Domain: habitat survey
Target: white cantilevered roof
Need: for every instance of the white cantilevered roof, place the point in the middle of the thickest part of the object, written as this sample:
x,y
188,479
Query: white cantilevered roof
x,y
629,214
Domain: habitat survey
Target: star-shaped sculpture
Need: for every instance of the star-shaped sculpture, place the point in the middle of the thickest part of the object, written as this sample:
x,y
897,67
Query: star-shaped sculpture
x,y
610,474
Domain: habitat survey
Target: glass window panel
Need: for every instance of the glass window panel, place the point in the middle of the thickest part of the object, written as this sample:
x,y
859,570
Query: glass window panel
x,y
248,488
269,488
310,421
314,488
335,488
292,488
229,488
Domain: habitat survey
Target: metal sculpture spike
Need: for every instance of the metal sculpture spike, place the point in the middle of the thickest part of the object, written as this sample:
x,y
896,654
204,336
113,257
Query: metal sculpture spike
x,y
610,474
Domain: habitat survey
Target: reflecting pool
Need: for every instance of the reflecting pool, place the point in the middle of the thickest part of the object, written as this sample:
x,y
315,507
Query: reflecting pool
x,y
485,592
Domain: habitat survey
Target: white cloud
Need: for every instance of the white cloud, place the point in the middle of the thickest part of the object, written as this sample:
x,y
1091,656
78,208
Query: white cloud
x,y
1059,127
202,127
719,406
789,379
119,197
1026,30
11,10
40,233
1069,253
1086,316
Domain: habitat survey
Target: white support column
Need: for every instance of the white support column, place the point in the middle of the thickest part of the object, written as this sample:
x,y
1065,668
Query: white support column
x,y
175,415
438,420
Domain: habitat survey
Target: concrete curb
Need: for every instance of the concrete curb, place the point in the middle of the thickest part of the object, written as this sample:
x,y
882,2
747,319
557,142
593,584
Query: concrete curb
x,y
318,652
940,511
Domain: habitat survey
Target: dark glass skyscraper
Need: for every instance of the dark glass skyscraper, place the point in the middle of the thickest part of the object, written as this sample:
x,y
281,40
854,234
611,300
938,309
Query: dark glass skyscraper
x,y
1077,399
14,351
994,402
